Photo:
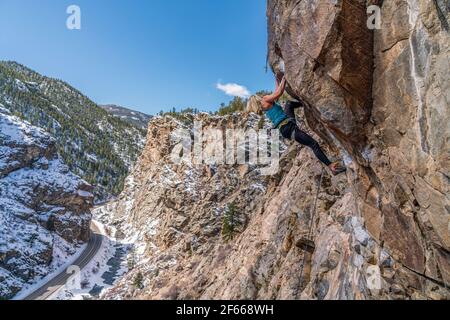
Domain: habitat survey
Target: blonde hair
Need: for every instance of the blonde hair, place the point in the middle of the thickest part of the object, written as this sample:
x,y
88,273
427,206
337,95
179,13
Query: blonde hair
x,y
254,104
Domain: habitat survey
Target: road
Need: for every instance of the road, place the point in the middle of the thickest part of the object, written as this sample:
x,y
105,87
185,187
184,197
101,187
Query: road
x,y
82,261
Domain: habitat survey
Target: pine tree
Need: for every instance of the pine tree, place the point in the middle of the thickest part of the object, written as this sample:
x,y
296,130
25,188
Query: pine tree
x,y
138,281
230,222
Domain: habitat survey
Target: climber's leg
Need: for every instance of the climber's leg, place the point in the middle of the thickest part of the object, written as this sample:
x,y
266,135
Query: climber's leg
x,y
290,107
305,139
291,131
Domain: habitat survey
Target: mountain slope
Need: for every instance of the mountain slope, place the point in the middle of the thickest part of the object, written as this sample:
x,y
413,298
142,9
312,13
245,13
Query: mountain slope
x,y
95,144
44,208
136,118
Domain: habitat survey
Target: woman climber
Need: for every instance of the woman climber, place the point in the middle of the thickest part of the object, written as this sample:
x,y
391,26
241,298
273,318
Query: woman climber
x,y
284,120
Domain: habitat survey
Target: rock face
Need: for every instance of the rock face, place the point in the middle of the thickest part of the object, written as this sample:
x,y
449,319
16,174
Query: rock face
x,y
391,118
377,99
174,213
44,208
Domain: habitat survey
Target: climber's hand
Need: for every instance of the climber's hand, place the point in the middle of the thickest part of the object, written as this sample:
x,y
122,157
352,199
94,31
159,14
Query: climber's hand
x,y
279,77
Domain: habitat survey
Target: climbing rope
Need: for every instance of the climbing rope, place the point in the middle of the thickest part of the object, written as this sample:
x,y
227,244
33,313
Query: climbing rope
x,y
311,224
315,203
441,12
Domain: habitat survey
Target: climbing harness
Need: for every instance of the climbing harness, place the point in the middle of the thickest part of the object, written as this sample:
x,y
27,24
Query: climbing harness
x,y
306,243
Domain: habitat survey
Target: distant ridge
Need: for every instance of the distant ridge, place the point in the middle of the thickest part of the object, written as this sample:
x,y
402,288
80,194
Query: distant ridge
x,y
136,118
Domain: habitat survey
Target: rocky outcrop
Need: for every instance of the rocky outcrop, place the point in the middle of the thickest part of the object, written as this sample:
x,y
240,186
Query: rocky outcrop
x,y
391,119
44,208
173,213
379,100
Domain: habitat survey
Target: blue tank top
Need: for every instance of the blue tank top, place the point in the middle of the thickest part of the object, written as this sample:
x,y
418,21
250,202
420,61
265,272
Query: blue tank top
x,y
276,114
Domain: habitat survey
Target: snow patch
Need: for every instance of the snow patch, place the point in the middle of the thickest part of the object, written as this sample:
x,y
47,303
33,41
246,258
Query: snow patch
x,y
96,277
62,259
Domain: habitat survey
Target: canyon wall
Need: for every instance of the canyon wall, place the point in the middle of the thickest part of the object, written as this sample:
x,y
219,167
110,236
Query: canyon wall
x,y
377,99
44,208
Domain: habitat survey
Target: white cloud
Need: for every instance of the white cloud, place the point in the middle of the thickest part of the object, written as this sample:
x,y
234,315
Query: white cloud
x,y
234,90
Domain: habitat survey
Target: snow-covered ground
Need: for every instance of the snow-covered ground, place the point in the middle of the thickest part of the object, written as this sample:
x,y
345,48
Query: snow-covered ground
x,y
109,264
39,218
64,255
14,130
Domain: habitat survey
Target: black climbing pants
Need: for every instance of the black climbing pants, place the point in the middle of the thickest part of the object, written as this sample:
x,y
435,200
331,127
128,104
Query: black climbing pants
x,y
292,131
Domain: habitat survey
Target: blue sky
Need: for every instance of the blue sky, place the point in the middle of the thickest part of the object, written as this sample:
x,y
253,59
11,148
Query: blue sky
x,y
145,54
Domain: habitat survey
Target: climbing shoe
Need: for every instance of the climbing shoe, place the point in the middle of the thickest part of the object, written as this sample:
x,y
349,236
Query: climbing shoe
x,y
337,168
